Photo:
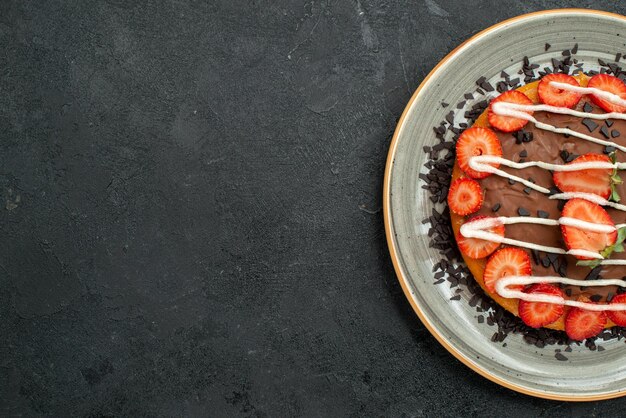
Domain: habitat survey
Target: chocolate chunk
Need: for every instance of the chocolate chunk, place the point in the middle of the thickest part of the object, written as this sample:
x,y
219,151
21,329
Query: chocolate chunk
x,y
594,273
543,214
496,207
615,133
545,261
561,204
608,122
535,255
528,136
600,348
527,190
590,124
486,86
605,132
523,153
560,357
571,158
554,190
460,105
595,298
566,53
523,212
481,319
609,149
468,96
512,182
609,297
564,155
568,292
587,107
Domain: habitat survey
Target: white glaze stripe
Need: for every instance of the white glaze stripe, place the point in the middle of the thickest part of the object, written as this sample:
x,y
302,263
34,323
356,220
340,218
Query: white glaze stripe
x,y
503,290
509,109
477,229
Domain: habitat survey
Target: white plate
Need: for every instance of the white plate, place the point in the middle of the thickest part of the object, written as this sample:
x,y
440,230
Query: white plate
x,y
587,375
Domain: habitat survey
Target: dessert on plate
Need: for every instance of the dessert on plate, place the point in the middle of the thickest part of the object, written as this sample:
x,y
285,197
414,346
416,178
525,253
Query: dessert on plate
x,y
535,204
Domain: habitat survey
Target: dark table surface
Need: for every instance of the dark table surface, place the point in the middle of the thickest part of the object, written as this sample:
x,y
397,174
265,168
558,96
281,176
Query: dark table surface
x,y
191,210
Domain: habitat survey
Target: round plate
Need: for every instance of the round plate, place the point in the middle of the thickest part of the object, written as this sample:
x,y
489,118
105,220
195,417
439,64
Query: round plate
x,y
587,375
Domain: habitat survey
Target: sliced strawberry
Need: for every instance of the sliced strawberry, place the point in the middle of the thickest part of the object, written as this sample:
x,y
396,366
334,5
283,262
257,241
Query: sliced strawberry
x,y
581,323
576,238
555,96
508,123
540,314
596,181
479,248
611,84
477,141
509,261
465,196
619,317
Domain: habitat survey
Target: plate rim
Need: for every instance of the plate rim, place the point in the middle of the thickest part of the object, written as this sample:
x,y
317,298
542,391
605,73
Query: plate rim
x,y
389,233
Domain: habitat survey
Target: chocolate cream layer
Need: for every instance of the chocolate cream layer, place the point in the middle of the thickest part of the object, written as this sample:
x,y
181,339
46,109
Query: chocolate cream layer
x,y
515,199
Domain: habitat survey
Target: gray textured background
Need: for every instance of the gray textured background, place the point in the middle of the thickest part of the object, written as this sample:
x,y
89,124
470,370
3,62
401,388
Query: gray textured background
x,y
190,202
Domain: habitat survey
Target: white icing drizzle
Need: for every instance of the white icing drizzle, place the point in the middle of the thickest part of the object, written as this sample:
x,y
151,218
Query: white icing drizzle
x,y
594,198
510,109
477,229
483,163
505,292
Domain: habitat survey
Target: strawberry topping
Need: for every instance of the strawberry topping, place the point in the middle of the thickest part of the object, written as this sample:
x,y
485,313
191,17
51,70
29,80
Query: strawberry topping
x,y
581,323
473,142
596,181
556,96
465,196
540,314
611,84
509,261
479,248
576,238
508,123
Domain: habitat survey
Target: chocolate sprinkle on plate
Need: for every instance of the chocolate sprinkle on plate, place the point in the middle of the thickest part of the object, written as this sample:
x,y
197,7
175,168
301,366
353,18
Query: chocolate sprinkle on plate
x,y
575,49
560,357
547,46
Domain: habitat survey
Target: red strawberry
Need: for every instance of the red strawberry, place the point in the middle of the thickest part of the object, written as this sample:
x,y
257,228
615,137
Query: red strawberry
x,y
509,261
479,248
465,196
581,323
619,317
588,181
540,314
508,123
609,84
477,141
576,238
555,96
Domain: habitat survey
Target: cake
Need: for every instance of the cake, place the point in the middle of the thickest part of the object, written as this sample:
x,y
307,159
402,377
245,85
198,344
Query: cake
x,y
534,201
